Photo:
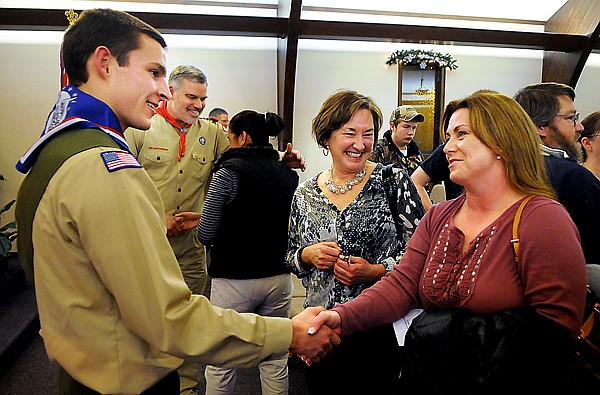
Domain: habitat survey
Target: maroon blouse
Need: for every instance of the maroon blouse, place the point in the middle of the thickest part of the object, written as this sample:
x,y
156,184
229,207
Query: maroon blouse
x,y
551,275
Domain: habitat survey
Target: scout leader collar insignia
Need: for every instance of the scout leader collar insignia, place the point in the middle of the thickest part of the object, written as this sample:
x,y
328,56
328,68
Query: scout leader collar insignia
x,y
162,111
75,109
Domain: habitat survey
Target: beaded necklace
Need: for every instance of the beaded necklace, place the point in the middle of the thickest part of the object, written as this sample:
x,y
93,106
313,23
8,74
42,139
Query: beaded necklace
x,y
345,187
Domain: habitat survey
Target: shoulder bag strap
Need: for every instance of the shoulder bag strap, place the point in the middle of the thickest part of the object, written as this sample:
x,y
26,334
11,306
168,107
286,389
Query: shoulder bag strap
x,y
515,228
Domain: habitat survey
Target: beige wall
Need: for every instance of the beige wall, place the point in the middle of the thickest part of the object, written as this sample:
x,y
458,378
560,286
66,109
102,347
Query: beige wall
x,y
241,76
321,72
30,81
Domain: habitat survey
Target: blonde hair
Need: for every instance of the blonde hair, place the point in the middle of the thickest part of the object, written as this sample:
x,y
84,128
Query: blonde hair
x,y
500,123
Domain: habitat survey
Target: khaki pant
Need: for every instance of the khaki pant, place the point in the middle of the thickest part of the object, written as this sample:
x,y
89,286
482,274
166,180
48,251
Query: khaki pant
x,y
192,261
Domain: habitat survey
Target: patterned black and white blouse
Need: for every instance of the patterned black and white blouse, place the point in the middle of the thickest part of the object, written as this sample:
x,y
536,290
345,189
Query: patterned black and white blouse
x,y
365,228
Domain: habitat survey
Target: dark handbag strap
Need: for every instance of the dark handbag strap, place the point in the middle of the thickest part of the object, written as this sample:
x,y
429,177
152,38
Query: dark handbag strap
x,y
515,228
389,186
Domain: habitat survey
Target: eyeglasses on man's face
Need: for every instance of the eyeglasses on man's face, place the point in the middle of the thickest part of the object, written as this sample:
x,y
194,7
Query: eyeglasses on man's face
x,y
570,117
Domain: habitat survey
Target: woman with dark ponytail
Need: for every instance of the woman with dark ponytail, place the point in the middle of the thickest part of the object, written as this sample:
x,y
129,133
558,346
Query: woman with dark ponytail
x,y
244,225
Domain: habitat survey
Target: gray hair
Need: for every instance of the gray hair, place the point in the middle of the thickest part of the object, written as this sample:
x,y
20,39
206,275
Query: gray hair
x,y
188,72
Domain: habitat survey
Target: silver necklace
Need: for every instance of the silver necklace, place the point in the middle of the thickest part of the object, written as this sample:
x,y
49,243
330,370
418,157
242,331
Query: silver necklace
x,y
345,187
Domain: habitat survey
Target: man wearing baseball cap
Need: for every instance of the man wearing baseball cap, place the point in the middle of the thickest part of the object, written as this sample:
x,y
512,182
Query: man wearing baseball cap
x,y
397,144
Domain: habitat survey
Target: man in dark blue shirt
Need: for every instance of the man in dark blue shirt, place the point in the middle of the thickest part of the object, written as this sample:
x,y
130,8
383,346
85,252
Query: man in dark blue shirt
x,y
552,109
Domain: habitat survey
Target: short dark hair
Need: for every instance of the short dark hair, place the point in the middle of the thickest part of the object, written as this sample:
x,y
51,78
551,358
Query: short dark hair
x,y
337,110
540,101
216,112
116,30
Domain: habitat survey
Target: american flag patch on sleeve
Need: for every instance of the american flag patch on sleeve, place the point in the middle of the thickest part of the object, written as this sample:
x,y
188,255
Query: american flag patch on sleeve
x,y
117,160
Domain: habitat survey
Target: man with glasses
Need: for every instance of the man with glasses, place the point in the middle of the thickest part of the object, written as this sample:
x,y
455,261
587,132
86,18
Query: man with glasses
x,y
552,109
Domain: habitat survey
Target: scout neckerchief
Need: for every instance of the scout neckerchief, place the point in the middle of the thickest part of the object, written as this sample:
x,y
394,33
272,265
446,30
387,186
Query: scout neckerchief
x,y
162,111
75,108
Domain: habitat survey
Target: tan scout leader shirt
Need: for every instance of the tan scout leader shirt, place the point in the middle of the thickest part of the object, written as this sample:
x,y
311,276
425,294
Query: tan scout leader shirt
x,y
182,184
112,301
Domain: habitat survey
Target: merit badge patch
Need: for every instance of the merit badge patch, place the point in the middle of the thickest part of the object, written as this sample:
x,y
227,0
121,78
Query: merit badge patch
x,y
117,160
202,140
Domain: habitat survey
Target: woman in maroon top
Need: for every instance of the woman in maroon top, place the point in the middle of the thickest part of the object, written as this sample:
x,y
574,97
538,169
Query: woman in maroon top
x,y
461,256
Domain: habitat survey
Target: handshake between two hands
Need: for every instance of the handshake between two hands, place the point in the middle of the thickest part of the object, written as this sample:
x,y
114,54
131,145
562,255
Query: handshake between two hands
x,y
315,332
180,222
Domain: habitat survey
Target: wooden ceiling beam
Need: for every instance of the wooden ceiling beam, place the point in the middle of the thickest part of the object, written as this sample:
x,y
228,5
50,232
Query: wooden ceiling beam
x,y
581,17
36,19
440,35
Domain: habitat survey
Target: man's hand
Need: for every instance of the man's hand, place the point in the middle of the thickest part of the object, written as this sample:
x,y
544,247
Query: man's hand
x,y
314,346
293,159
187,219
173,228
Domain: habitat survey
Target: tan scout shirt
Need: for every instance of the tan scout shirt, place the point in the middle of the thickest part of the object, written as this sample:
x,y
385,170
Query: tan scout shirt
x,y
182,184
113,306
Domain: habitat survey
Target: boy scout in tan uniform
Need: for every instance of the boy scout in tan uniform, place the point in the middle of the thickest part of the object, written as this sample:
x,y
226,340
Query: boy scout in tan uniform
x,y
178,152
114,310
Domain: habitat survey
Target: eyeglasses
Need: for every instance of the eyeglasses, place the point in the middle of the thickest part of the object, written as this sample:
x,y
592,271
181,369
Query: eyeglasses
x,y
570,117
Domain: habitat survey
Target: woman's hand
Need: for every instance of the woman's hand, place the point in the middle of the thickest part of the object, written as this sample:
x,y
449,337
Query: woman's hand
x,y
322,255
356,270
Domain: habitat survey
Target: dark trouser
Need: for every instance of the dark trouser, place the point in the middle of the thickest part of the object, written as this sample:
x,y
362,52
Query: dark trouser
x,y
67,385
364,363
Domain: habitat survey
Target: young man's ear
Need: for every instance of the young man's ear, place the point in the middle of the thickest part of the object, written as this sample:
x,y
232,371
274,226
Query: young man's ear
x,y
101,61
